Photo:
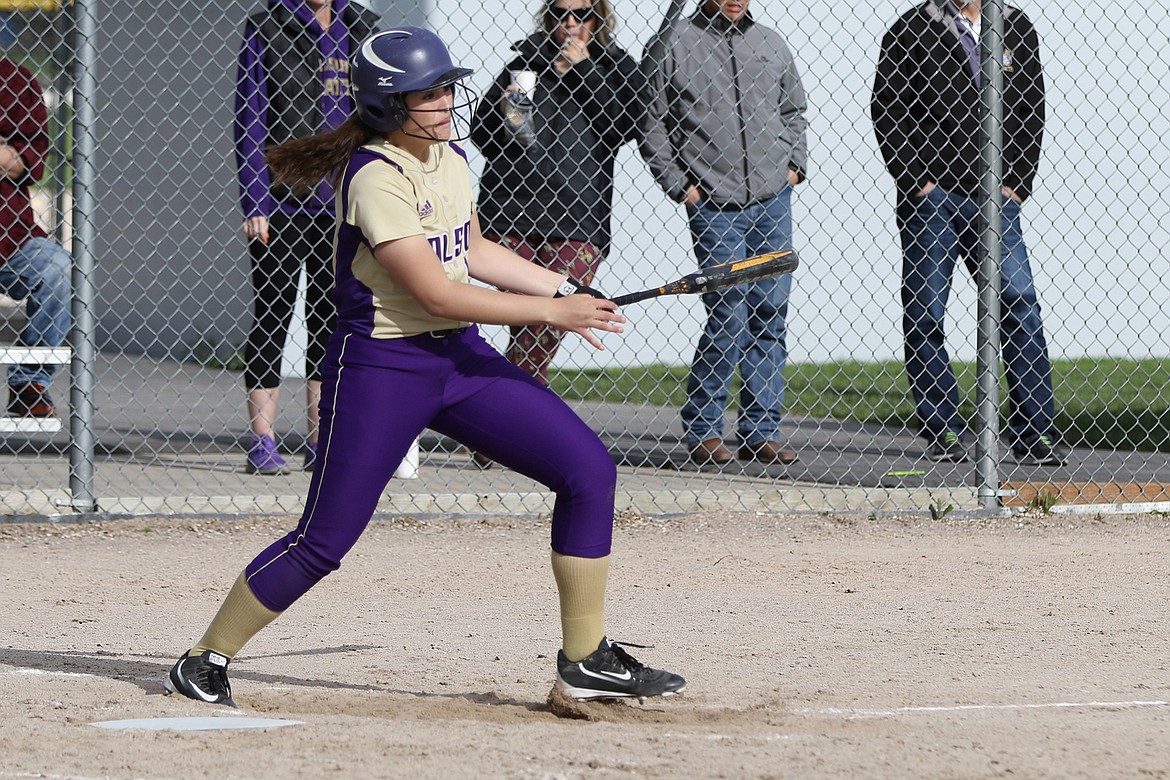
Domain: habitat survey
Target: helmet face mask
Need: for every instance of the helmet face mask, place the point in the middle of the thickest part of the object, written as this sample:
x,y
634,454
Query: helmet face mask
x,y
391,64
460,108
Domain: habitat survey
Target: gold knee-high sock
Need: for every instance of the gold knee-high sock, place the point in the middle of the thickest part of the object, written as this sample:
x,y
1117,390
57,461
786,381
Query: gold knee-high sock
x,y
240,617
581,586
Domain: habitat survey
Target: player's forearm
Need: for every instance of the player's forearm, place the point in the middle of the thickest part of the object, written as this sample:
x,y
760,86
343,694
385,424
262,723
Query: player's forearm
x,y
499,266
413,265
471,303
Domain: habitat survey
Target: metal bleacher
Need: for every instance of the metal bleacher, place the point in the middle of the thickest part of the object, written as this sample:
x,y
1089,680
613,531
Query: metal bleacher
x,y
59,356
11,313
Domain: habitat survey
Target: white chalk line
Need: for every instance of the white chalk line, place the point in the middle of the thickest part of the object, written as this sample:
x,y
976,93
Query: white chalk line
x,y
959,708
730,737
55,673
44,673
46,776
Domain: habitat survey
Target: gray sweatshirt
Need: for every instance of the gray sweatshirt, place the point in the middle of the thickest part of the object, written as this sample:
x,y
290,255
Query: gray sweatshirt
x,y
726,113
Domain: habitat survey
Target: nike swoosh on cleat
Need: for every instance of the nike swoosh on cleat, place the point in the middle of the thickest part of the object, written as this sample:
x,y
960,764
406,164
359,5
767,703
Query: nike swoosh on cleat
x,y
187,685
212,698
623,677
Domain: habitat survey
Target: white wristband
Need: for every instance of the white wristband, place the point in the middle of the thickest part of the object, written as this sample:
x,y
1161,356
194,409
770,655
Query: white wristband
x,y
567,288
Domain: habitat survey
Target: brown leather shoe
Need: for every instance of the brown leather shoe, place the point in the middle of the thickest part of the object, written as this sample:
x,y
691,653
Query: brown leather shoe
x,y
711,451
768,452
30,401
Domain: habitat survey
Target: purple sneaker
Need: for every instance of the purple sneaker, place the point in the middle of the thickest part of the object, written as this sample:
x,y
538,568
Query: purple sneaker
x,y
310,455
263,457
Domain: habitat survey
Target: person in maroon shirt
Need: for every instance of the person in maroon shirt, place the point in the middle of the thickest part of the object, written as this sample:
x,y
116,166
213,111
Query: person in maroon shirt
x,y
32,267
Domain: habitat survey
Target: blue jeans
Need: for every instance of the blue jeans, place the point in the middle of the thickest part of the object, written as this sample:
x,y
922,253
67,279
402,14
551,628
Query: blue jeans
x,y
937,229
41,272
746,325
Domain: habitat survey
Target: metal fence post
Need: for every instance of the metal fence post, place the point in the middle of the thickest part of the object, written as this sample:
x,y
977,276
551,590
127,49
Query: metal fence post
x,y
990,243
81,449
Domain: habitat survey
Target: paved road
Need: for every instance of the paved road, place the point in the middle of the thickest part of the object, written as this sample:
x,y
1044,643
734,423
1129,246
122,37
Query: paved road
x,y
168,440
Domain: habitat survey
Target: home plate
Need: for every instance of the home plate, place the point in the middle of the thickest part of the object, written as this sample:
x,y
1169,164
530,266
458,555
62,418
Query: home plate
x,y
195,724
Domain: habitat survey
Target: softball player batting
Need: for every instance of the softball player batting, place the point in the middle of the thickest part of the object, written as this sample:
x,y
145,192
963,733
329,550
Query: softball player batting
x,y
406,356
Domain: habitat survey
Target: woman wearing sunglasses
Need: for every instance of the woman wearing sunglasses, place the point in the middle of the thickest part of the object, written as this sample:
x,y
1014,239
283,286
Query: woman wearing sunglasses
x,y
548,196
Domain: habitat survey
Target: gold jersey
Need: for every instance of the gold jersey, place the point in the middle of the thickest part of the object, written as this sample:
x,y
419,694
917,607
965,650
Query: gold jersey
x,y
386,194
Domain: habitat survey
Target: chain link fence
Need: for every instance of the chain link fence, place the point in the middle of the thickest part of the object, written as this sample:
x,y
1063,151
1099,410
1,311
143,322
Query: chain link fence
x,y
160,419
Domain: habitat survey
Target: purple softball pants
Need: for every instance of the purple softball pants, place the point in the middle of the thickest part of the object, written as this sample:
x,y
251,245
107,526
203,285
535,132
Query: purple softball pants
x,y
379,394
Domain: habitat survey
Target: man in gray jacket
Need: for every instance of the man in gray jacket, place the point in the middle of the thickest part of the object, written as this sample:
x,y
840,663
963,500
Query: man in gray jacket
x,y
726,136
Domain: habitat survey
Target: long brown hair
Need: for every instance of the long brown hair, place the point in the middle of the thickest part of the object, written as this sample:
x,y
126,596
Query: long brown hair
x,y
302,163
606,21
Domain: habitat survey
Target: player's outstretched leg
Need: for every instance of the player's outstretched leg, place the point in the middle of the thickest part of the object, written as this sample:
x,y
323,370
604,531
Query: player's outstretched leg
x,y
612,673
201,677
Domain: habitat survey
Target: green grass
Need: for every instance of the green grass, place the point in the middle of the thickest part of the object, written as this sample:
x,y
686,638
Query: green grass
x,y
217,353
1111,403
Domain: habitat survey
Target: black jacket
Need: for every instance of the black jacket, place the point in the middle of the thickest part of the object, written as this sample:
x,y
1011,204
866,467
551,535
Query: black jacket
x,y
278,98
926,107
561,186
292,61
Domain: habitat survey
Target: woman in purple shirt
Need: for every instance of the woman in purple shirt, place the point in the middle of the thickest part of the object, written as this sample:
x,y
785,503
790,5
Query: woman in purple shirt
x,y
292,81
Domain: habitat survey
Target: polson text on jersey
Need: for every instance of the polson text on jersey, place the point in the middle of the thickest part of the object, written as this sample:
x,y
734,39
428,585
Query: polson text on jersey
x,y
453,245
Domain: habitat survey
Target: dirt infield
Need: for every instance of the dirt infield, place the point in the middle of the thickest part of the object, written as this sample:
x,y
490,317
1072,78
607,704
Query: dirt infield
x,y
814,646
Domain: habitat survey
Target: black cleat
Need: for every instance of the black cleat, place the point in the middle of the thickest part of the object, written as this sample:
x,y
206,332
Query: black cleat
x,y
202,678
612,673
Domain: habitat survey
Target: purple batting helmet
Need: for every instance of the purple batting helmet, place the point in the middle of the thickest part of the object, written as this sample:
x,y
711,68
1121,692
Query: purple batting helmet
x,y
392,63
